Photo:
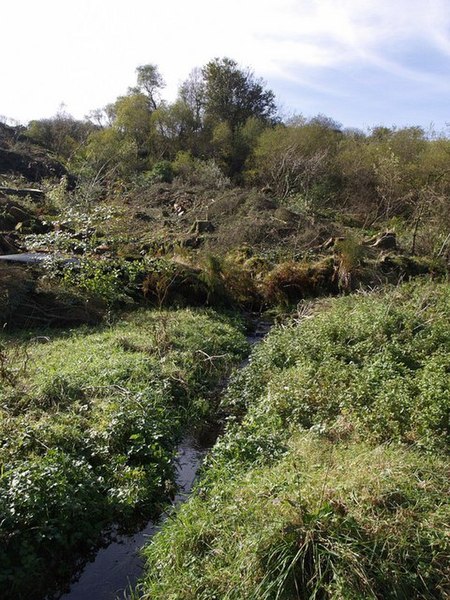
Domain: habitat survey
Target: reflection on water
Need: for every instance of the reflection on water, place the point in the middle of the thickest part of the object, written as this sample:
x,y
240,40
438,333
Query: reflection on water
x,y
119,566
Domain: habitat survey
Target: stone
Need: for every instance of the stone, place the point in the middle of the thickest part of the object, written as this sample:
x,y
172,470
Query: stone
x,y
202,227
386,241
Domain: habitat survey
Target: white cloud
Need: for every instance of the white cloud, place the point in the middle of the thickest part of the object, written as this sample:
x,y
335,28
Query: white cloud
x,y
342,32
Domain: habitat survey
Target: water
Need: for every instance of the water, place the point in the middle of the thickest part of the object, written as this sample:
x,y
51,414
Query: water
x,y
117,568
120,565
35,258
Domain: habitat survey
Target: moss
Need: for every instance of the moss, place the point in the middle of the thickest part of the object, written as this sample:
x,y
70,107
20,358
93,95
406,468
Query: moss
x,y
401,265
291,282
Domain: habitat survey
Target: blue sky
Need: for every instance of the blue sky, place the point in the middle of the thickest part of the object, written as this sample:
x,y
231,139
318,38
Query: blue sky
x,y
360,62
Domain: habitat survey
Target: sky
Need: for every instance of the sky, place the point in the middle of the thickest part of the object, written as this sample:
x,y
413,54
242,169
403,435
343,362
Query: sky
x,y
362,63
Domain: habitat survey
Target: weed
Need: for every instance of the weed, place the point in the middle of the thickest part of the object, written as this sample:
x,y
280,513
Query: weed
x,y
331,479
88,425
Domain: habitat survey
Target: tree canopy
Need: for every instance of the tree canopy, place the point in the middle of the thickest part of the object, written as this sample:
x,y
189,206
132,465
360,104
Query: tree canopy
x,y
234,95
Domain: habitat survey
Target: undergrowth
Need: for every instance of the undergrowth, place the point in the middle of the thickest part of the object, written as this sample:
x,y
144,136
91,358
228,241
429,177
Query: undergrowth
x,y
331,481
341,521
89,421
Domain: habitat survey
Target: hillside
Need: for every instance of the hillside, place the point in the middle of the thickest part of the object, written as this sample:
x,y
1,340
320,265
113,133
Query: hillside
x,y
194,242
138,250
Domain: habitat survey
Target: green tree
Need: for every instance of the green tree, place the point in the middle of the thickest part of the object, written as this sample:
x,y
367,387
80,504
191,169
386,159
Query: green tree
x,y
149,82
298,158
133,118
233,99
61,134
234,95
175,129
108,154
192,94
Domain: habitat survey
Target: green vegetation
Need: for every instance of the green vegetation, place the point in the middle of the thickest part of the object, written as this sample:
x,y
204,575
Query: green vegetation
x,y
89,421
217,173
331,479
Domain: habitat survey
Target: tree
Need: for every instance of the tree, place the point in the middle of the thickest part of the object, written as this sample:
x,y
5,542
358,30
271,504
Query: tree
x,y
128,136
174,129
149,82
107,154
192,94
62,134
233,98
298,158
234,95
133,119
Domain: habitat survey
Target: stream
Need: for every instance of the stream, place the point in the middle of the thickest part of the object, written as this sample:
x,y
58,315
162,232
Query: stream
x,y
36,258
117,568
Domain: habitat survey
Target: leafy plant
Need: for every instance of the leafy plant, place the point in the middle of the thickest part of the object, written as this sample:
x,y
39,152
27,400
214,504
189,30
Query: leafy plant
x,y
89,428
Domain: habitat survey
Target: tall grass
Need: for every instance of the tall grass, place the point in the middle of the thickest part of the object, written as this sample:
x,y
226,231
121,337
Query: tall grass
x,y
88,428
331,481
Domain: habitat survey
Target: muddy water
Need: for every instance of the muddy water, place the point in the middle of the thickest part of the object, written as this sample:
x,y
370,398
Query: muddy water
x,y
120,565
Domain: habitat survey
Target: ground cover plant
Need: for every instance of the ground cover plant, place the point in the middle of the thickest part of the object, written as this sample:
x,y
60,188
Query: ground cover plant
x,y
89,421
215,200
331,481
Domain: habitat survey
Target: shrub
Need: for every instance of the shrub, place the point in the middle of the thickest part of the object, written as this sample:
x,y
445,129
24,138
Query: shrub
x,y
199,172
89,421
40,501
161,172
291,282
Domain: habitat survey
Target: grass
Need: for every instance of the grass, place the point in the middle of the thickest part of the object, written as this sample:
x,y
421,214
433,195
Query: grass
x,y
325,521
375,361
331,481
89,420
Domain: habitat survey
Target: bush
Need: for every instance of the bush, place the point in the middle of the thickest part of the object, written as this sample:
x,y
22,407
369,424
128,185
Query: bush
x,y
291,282
89,421
161,172
294,502
40,501
199,172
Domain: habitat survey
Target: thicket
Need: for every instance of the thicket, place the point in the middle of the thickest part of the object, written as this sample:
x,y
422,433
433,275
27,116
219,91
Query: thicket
x,y
223,129
89,421
330,481
213,199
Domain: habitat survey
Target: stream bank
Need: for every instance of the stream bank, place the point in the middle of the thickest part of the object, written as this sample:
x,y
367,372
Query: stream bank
x,y
116,568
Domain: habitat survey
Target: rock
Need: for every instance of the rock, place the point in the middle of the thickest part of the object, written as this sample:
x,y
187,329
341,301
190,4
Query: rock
x,y
13,216
202,227
8,244
286,215
32,167
23,192
385,241
102,249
